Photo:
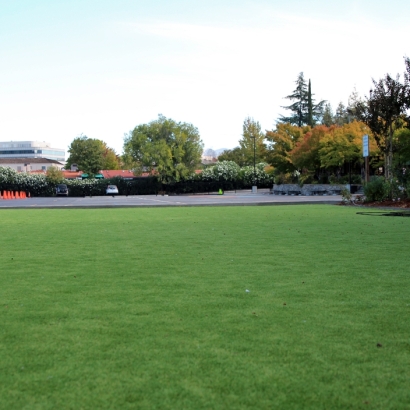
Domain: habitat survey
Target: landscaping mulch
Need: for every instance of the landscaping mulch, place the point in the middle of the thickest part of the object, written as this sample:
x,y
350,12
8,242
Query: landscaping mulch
x,y
403,203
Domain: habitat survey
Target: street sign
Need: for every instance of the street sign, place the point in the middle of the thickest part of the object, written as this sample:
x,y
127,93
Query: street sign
x,y
365,145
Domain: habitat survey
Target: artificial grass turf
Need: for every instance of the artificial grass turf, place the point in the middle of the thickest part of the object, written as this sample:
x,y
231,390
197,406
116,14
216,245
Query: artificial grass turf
x,y
147,308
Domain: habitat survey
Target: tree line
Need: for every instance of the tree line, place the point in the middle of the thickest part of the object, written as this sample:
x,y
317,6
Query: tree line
x,y
311,143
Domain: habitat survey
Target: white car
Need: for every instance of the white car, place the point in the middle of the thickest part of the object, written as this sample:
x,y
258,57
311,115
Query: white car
x,y
112,190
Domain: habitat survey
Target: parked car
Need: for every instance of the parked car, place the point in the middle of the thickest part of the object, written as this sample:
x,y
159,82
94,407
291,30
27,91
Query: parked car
x,y
112,190
62,189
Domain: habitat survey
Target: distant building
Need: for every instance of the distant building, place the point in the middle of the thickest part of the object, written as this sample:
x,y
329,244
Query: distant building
x,y
31,149
30,164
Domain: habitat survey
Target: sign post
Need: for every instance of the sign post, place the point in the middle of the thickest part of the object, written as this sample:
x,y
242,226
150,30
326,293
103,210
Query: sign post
x,y
366,156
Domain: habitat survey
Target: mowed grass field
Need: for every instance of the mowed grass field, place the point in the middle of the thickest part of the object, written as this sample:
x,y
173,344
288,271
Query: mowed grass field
x,y
287,307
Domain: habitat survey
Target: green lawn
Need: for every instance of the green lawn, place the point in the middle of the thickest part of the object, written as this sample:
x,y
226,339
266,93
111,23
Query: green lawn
x,y
149,308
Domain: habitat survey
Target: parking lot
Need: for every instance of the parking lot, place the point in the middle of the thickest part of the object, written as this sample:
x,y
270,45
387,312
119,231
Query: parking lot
x,y
263,197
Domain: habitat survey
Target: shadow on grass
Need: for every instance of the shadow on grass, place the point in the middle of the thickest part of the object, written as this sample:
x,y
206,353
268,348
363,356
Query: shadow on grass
x,y
403,213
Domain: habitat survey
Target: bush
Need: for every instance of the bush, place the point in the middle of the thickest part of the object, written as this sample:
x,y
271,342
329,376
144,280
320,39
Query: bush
x,y
377,189
287,178
263,178
346,195
226,171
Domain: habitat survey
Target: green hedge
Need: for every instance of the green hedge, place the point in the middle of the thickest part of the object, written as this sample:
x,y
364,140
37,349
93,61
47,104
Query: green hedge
x,y
37,185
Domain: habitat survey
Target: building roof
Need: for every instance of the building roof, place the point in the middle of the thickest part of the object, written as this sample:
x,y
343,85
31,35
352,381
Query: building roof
x,y
112,173
23,160
38,171
72,174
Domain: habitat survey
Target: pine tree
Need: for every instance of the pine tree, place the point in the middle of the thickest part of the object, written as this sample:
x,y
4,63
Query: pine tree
x,y
305,111
352,102
341,116
310,106
298,108
327,117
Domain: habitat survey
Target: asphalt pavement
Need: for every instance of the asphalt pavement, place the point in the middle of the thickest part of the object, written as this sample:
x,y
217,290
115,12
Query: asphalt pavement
x,y
239,198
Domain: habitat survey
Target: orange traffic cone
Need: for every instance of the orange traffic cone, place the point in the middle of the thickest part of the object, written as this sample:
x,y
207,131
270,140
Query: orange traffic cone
x,y
17,195
7,195
23,195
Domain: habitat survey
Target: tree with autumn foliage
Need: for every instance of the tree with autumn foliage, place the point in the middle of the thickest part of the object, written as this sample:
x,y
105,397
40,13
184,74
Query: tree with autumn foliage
x,y
110,159
305,154
343,145
281,142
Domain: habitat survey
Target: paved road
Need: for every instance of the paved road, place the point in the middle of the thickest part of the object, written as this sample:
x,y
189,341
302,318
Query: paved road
x,y
229,198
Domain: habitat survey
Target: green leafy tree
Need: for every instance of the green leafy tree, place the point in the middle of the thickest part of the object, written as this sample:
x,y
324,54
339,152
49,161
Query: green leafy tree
x,y
401,138
54,176
252,142
87,153
110,159
236,155
170,149
383,112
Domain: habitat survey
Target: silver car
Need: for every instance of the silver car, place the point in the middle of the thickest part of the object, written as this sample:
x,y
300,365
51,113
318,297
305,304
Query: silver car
x,y
112,190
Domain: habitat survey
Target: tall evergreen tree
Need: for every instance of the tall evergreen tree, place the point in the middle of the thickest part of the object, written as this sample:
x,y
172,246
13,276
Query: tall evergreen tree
x,y
352,102
298,108
341,116
304,110
407,88
327,117
310,105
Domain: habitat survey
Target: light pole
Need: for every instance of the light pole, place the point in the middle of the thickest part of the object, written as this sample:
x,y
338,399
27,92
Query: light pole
x,y
254,187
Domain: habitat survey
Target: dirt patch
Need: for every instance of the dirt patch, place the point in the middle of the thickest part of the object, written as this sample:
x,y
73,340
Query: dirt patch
x,y
402,204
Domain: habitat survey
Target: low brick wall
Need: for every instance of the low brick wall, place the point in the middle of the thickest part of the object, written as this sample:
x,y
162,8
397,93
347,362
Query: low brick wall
x,y
308,189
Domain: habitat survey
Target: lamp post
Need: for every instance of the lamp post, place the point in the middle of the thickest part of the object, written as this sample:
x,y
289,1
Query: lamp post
x,y
254,187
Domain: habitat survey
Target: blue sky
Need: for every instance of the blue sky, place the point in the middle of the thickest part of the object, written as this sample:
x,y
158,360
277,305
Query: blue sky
x,y
102,67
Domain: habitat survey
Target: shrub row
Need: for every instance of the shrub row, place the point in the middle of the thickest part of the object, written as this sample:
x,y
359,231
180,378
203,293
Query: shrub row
x,y
225,175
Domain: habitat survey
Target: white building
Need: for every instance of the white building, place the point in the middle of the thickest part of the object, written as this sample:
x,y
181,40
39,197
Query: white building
x,y
30,164
31,149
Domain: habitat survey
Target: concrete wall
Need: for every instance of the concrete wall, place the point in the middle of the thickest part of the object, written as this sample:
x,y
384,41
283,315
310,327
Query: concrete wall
x,y
308,189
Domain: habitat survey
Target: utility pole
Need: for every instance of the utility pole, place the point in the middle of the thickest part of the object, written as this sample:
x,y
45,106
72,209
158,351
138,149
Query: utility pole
x,y
254,187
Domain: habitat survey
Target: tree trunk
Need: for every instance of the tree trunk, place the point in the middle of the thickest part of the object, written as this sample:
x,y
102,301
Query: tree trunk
x,y
389,162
